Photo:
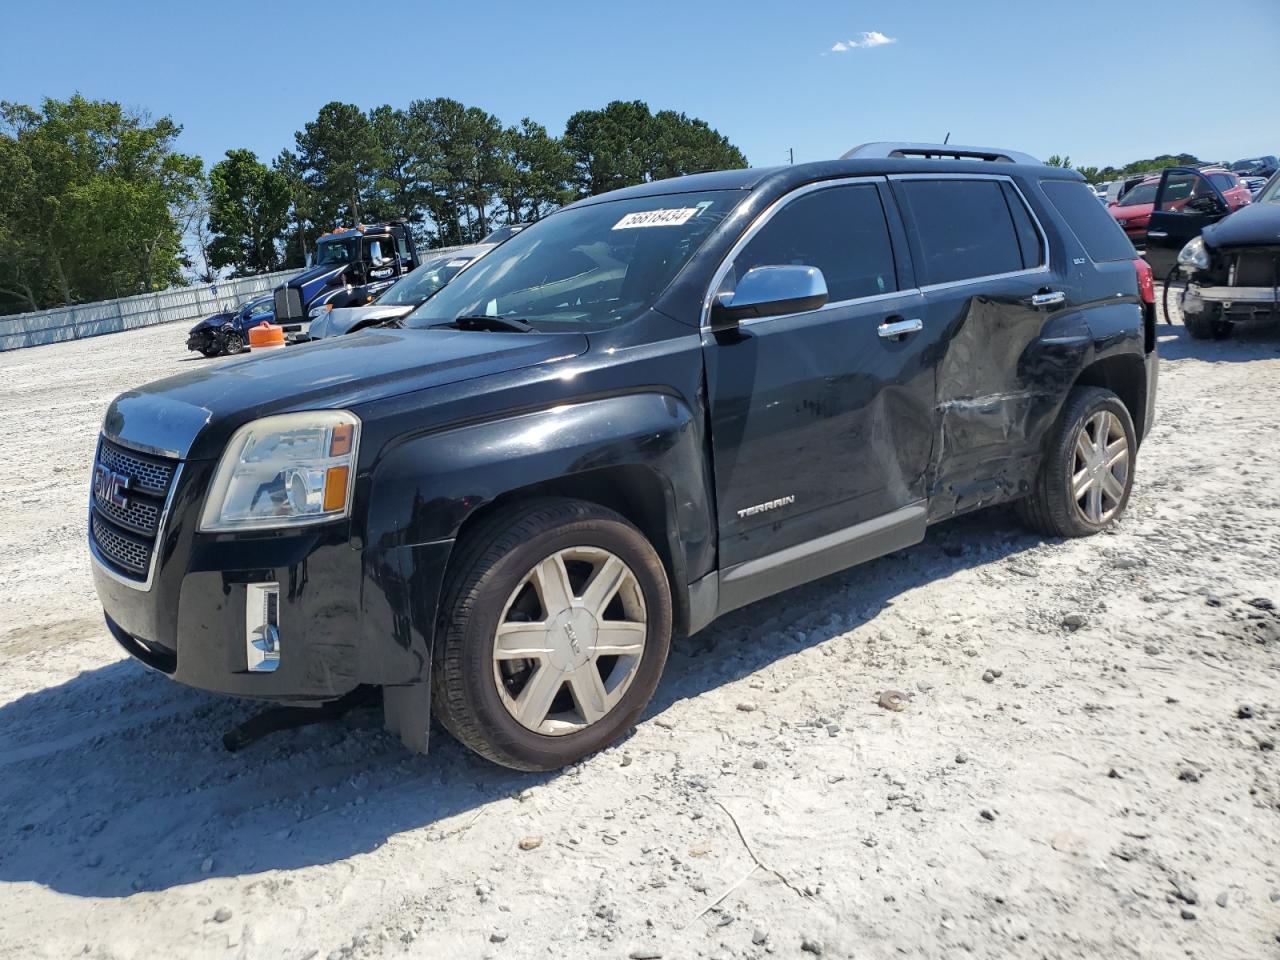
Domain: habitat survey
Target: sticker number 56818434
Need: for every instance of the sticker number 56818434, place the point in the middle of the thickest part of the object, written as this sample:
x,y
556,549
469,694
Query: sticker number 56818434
x,y
672,217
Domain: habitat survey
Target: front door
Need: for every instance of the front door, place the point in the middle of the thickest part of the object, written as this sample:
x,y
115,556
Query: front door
x,y
1186,203
822,421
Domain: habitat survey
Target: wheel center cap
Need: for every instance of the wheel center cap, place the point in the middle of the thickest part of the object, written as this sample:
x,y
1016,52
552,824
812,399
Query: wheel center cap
x,y
573,638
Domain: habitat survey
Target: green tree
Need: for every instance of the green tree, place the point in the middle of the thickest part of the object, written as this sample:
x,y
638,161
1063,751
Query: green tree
x,y
339,157
609,147
1057,161
534,173
624,143
302,230
682,145
91,192
248,213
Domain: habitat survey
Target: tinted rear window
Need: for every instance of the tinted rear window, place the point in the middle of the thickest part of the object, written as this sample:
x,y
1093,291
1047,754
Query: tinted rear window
x,y
1096,229
962,229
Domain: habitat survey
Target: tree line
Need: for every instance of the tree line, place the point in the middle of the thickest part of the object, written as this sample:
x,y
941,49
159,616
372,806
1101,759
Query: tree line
x,y
96,202
1105,174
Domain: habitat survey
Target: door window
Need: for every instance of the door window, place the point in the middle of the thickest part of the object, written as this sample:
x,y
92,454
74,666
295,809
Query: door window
x,y
1185,192
840,230
962,228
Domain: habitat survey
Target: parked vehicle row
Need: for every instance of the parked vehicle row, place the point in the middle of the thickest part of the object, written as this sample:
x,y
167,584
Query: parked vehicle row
x,y
648,409
1133,210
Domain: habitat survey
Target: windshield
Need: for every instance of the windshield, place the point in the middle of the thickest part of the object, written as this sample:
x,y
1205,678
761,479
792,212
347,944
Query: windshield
x,y
423,282
585,268
1271,192
335,251
1142,193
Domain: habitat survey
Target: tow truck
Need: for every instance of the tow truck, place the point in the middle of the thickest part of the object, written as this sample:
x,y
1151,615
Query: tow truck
x,y
352,266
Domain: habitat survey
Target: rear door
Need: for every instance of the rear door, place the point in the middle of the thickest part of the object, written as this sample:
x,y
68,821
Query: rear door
x,y
1186,203
983,264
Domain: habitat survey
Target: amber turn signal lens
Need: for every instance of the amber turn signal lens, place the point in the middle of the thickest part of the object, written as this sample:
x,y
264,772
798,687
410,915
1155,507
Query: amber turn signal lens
x,y
335,489
340,442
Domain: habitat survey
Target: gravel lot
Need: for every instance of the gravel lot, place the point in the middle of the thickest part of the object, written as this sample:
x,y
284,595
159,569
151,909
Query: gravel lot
x,y
1085,765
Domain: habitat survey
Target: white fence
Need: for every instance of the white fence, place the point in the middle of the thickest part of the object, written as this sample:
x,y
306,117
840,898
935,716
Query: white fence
x,y
128,313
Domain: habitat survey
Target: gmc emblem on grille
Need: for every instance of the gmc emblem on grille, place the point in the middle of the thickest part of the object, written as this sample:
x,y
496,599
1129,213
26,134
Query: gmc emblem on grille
x,y
110,487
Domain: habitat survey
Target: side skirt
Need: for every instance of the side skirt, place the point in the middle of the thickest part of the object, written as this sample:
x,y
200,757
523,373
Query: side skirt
x,y
764,576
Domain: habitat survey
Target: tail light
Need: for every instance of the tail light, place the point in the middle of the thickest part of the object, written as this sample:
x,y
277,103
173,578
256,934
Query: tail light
x,y
1146,283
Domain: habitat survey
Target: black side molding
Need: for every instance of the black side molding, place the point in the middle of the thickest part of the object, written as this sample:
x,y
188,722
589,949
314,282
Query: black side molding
x,y
793,566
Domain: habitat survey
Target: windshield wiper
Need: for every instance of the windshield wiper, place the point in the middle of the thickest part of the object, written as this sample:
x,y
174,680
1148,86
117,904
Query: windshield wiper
x,y
485,321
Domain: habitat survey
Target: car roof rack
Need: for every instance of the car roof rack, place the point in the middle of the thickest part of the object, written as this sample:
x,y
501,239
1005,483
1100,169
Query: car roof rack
x,y
886,150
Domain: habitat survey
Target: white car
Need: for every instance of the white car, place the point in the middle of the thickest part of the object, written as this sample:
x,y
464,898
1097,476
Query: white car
x,y
398,300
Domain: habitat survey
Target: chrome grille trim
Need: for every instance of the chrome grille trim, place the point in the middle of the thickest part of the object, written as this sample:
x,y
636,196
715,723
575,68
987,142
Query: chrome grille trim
x,y
101,521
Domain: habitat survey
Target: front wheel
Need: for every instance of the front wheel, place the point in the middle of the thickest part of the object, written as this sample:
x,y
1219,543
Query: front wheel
x,y
232,343
1208,325
557,622
1086,475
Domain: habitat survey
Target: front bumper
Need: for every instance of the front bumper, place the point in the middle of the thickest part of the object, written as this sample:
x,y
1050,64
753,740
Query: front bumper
x,y
201,340
1230,299
346,616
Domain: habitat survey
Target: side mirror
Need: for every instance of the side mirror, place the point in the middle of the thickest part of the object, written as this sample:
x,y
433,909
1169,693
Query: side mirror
x,y
769,292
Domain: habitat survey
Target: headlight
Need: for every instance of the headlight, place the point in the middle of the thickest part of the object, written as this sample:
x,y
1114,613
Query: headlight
x,y
316,312
1194,254
285,471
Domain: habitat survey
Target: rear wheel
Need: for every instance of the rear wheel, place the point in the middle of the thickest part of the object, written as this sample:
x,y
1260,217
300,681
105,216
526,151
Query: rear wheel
x,y
1087,473
558,626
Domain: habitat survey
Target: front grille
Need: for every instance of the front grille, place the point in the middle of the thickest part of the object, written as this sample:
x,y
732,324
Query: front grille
x,y
1257,269
149,474
122,550
125,518
288,304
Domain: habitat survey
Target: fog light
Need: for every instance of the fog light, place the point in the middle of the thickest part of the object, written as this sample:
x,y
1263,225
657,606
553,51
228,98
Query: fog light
x,y
262,626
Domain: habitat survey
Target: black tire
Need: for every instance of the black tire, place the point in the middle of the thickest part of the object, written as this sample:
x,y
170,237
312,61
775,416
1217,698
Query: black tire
x,y
1050,508
1207,325
232,343
490,564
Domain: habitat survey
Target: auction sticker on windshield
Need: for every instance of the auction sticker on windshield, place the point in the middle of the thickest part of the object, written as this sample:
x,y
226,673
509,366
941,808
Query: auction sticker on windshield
x,y
671,217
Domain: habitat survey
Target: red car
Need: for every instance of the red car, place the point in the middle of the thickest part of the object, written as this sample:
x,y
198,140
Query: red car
x,y
1133,210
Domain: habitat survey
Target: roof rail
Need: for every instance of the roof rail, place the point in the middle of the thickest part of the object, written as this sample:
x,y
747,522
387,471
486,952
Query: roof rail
x,y
941,151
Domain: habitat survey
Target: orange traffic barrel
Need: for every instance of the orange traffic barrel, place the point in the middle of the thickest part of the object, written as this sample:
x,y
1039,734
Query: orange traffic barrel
x,y
266,336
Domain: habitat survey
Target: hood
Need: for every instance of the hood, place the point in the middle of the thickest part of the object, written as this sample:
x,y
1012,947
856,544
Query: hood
x,y
315,279
193,414
1255,225
1131,211
340,320
214,322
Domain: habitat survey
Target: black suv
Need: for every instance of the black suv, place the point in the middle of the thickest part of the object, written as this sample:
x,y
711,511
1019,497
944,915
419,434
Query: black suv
x,y
650,408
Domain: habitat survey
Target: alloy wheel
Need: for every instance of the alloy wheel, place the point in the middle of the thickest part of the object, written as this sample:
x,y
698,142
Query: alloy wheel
x,y
569,641
1100,467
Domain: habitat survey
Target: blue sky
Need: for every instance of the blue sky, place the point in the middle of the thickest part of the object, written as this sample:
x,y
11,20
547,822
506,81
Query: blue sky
x,y
1104,82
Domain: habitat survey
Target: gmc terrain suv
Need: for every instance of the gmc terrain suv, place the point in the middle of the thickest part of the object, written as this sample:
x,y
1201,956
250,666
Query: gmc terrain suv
x,y
648,409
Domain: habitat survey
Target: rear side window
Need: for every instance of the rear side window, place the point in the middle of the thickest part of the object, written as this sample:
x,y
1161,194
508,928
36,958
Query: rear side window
x,y
1029,240
962,228
1223,181
840,230
1093,226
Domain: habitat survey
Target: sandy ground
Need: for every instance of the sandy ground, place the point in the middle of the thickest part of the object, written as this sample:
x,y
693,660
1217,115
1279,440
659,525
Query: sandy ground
x,y
1113,791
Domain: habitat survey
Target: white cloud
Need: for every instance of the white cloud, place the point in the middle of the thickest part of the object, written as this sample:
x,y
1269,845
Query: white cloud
x,y
866,40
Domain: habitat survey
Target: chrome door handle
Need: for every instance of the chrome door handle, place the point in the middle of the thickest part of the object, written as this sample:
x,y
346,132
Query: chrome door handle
x,y
899,328
1048,299
1157,233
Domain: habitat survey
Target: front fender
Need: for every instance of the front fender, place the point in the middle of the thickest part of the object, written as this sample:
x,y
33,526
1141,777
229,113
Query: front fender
x,y
422,489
